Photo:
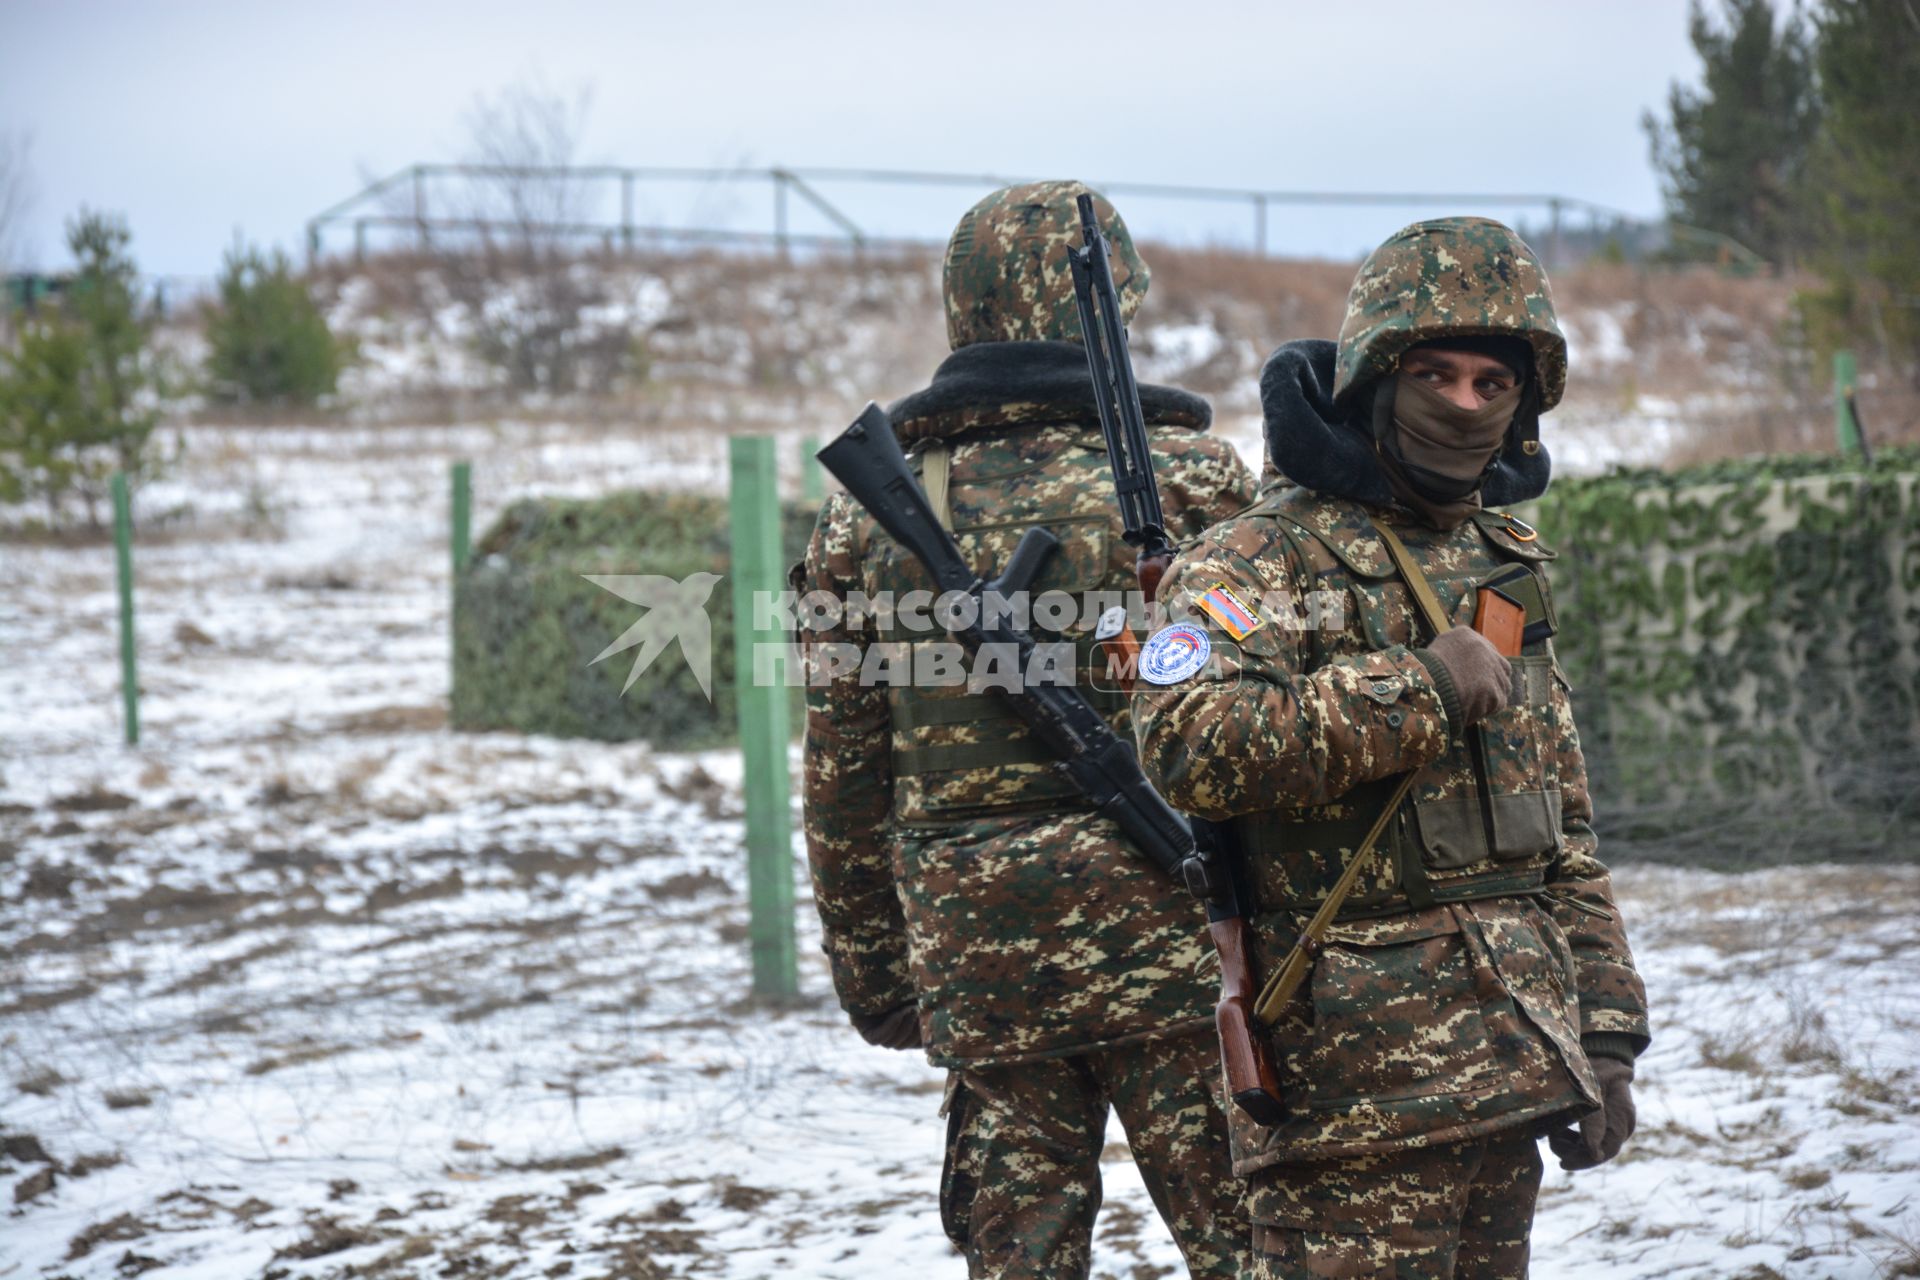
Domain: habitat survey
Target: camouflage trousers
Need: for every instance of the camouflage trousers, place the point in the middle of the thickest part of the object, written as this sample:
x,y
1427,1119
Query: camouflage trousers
x,y
1022,1180
1464,1210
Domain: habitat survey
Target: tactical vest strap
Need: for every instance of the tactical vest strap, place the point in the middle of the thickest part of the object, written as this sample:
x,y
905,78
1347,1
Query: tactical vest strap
x,y
1517,885
1413,875
1410,864
931,713
936,476
1416,581
1271,830
954,756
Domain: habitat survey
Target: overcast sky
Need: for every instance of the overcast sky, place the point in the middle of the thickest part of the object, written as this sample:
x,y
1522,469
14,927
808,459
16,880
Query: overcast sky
x,y
197,118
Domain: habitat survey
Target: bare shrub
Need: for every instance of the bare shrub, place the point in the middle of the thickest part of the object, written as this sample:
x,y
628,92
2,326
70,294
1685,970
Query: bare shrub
x,y
532,305
1736,1051
538,310
1805,1038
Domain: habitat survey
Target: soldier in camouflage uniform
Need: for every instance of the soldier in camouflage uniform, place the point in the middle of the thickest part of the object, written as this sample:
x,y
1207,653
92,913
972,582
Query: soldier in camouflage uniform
x,y
1477,991
969,900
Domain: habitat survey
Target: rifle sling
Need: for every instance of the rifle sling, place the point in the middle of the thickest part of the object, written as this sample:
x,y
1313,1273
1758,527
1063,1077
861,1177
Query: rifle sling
x,y
1285,980
1416,581
936,478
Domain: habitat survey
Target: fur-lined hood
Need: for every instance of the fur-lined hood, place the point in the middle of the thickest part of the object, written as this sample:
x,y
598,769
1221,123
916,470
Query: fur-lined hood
x,y
1004,384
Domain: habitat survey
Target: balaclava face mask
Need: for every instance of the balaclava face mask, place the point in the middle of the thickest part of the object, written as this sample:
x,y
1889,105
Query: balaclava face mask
x,y
1443,448
1435,452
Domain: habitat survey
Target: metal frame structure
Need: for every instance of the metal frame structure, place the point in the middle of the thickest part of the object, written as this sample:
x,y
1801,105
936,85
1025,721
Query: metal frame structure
x,y
399,202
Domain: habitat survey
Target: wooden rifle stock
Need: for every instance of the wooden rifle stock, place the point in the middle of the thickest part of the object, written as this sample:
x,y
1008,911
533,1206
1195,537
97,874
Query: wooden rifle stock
x,y
1252,1083
1122,649
1150,568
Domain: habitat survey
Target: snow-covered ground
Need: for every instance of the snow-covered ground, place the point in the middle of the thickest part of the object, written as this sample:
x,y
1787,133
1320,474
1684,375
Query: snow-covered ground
x,y
308,986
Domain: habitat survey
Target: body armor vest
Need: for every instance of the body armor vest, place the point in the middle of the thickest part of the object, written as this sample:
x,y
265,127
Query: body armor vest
x,y
1482,820
961,754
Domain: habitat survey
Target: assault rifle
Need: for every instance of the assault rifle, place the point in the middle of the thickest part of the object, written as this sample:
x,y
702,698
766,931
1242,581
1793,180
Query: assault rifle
x,y
1117,396
1248,1062
866,458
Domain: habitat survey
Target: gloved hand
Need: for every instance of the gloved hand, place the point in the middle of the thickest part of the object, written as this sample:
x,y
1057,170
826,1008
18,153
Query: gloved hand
x,y
897,1028
1482,679
1598,1137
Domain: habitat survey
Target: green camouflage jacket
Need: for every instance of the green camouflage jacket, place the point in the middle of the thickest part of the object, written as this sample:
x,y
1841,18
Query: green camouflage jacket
x,y
1420,1023
1025,927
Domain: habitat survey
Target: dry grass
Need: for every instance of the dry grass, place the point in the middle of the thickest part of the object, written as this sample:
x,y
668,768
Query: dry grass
x,y
743,335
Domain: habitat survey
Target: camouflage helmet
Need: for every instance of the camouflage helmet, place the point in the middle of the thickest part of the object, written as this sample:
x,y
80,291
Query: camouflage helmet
x,y
1448,278
1005,276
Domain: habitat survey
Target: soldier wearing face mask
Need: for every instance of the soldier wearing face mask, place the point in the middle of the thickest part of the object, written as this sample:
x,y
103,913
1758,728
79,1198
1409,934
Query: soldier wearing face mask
x,y
1476,992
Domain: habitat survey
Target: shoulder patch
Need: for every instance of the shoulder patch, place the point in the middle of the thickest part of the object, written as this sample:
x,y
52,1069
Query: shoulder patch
x,y
1230,611
1174,653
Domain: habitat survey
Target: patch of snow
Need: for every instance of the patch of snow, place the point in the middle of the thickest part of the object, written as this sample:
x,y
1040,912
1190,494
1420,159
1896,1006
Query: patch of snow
x,y
1597,336
306,983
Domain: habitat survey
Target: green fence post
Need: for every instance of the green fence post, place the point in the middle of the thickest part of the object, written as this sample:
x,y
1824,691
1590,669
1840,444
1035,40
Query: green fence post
x,y
462,514
1846,431
123,554
755,501
462,541
813,476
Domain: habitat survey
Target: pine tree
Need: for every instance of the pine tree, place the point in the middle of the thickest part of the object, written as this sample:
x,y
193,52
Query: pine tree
x,y
1734,153
81,391
1869,164
270,344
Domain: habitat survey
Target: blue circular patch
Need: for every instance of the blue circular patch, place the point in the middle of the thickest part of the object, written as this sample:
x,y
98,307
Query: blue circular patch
x,y
1174,653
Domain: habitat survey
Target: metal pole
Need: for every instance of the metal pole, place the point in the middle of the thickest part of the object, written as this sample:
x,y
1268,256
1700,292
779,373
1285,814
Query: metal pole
x,y
762,710
813,476
462,542
419,208
626,209
123,555
1260,225
855,236
1553,238
780,211
1846,431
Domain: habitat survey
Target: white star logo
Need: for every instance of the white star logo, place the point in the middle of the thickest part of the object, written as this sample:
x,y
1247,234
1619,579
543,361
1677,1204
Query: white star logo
x,y
676,610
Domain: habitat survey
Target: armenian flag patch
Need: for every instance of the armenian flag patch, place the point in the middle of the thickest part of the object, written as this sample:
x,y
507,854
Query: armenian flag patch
x,y
1230,611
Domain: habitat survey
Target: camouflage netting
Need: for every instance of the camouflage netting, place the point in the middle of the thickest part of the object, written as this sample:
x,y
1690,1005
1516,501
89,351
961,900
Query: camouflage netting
x,y
1743,641
527,624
